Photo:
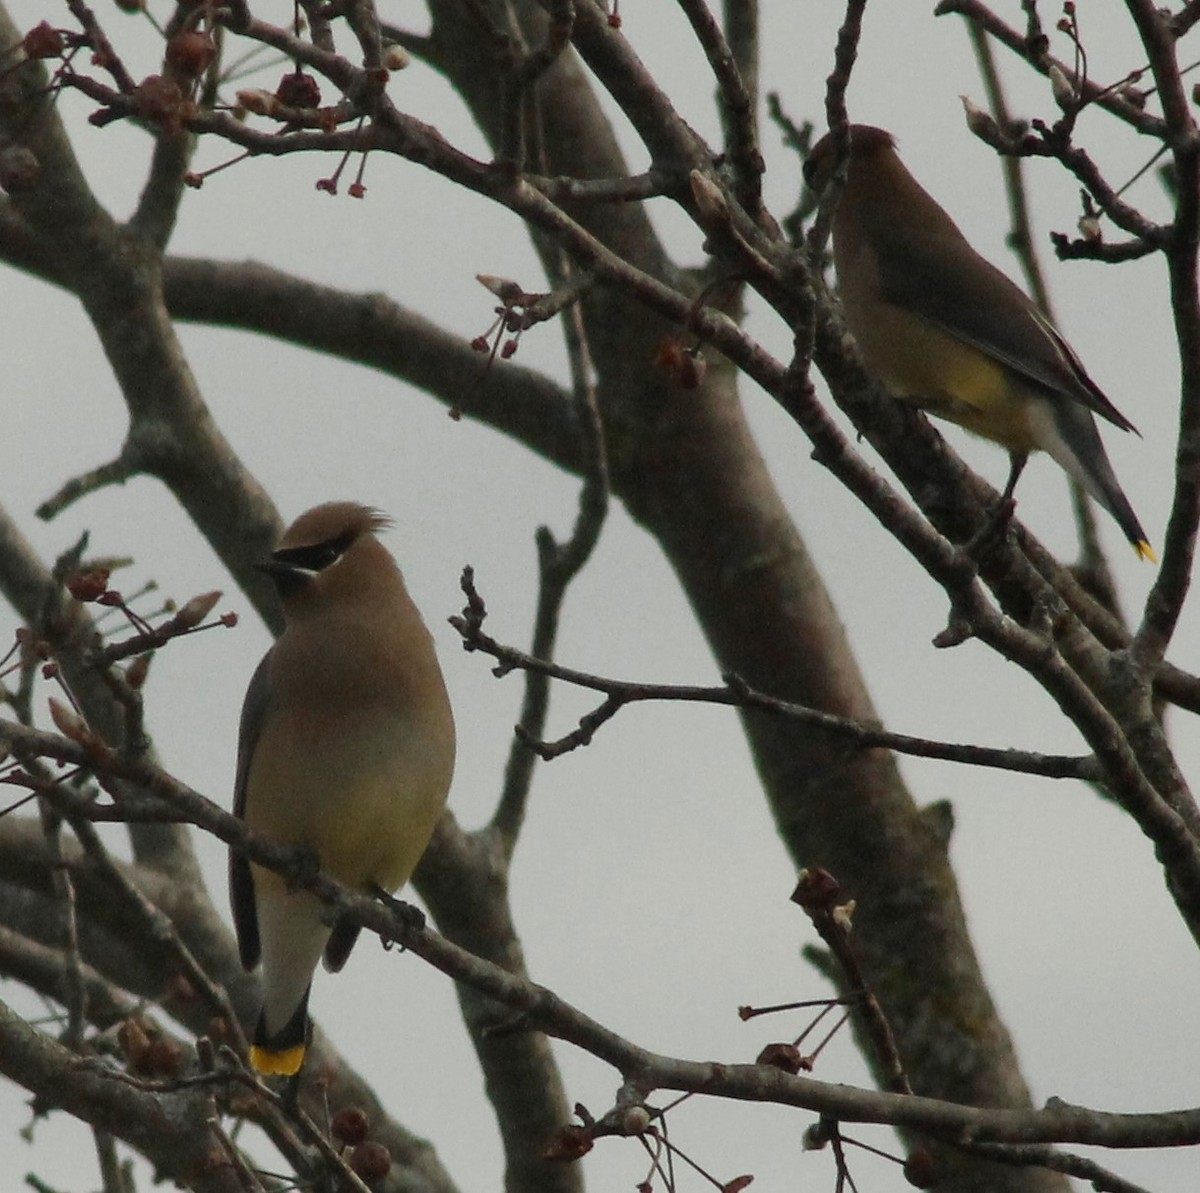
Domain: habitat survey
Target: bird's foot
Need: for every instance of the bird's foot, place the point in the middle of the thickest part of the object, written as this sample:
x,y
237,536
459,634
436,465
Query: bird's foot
x,y
994,531
412,917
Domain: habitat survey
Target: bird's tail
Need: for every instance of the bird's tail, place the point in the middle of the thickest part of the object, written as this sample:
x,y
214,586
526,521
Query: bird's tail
x,y
1075,443
281,1054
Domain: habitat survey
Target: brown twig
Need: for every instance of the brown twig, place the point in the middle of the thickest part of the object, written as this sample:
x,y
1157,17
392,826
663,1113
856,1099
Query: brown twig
x,y
818,894
734,693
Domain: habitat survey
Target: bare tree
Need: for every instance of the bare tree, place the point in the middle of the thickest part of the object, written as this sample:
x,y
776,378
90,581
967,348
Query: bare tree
x,y
649,414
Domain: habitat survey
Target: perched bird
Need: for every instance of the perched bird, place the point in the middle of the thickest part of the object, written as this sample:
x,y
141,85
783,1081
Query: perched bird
x,y
346,748
941,327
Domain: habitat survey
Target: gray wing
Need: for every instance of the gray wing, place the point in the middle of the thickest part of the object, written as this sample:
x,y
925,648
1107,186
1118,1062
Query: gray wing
x,y
241,881
992,313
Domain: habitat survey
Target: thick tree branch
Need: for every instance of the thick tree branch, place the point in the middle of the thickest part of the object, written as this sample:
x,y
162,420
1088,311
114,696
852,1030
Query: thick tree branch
x,y
1058,1122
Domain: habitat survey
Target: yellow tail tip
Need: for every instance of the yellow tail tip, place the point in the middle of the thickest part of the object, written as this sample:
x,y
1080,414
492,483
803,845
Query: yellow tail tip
x,y
1145,551
277,1064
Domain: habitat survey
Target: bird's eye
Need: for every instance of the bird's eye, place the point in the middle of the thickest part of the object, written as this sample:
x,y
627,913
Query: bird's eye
x,y
324,555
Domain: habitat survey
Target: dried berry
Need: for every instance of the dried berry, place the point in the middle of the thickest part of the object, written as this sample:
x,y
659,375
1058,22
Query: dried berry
x,y
190,53
160,101
298,90
370,1161
350,1125
43,41
782,1056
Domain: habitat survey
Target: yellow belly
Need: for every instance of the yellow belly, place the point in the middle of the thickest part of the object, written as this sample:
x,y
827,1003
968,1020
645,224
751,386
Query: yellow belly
x,y
922,364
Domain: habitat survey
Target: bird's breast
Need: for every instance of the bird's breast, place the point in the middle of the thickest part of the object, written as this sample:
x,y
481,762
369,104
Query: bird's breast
x,y
363,792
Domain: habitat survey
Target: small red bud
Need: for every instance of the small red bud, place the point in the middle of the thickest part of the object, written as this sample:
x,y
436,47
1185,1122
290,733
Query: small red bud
x,y
163,1057
568,1144
507,349
135,673
133,1039
328,185
816,890
357,190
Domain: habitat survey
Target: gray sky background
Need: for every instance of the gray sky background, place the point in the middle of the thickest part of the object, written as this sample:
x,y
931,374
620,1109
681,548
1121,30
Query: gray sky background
x,y
649,887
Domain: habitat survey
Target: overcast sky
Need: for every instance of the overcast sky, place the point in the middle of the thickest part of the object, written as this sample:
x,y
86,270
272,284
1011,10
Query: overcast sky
x,y
649,887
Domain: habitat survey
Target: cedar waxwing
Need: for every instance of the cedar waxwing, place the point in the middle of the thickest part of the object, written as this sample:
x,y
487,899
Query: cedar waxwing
x,y
346,748
941,327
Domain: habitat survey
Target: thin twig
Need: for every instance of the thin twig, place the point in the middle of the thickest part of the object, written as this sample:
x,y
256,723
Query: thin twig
x,y
734,693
